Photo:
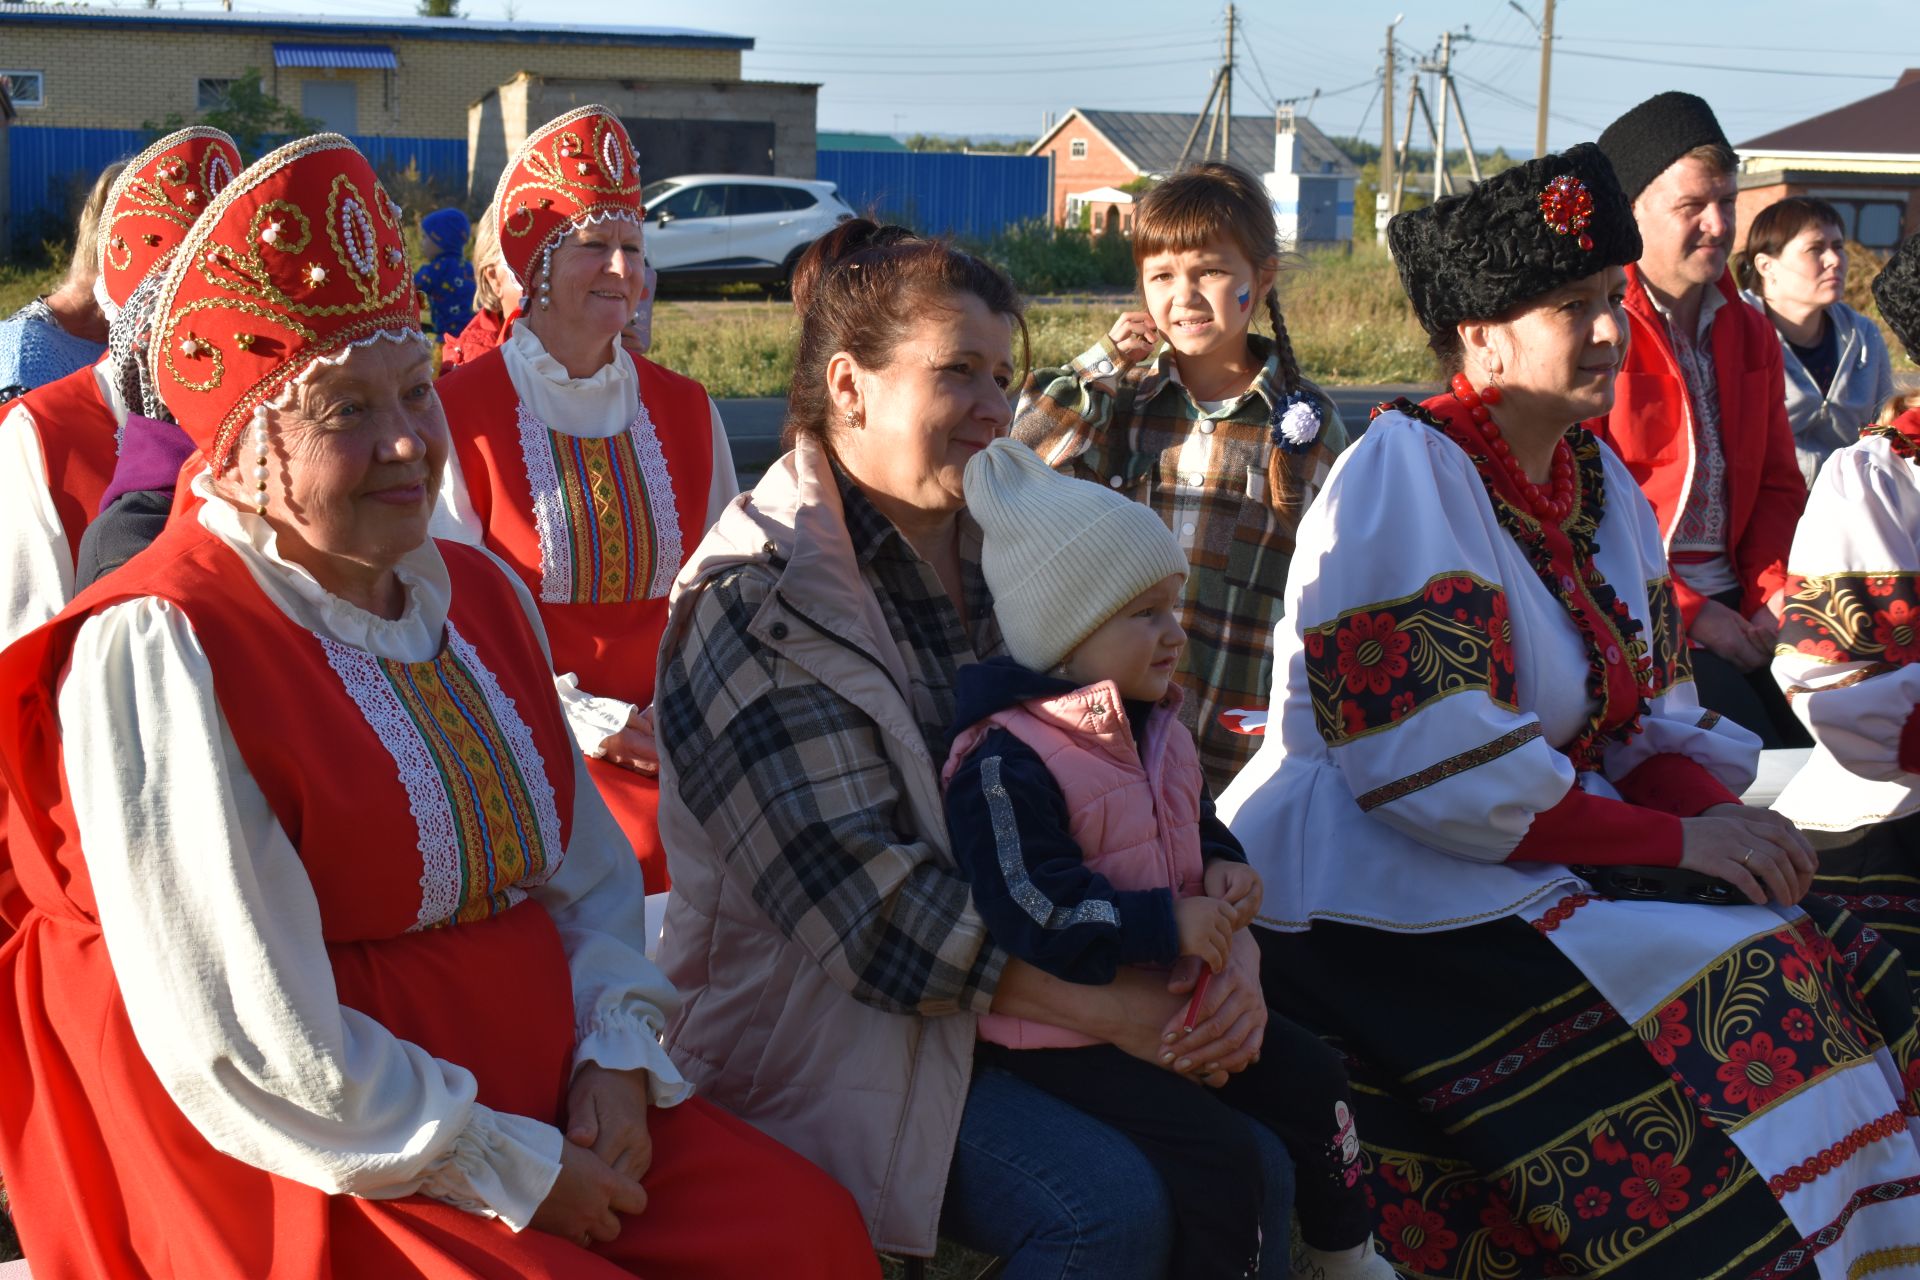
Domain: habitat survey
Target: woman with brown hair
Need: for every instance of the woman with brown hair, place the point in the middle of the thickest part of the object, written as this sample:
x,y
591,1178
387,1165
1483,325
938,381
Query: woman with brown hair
x,y
1794,271
833,958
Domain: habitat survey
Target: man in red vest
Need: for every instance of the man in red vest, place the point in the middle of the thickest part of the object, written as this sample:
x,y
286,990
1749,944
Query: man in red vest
x,y
1699,415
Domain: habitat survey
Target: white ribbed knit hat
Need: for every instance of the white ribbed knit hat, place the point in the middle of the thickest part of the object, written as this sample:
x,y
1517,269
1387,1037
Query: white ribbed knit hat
x,y
1060,555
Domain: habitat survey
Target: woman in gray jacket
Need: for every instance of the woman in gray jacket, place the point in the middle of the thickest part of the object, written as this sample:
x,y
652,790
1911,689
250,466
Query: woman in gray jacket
x,y
1794,270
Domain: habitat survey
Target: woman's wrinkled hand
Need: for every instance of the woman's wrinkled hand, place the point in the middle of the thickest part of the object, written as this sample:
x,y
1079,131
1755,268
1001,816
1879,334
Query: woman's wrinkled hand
x,y
634,747
1227,1035
586,1199
1755,850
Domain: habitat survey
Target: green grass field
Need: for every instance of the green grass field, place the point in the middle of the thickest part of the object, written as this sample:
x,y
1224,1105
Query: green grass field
x,y
1349,320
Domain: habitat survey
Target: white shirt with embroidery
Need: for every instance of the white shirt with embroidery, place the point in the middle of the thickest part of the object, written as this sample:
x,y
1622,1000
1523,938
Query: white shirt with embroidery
x,y
593,408
36,559
215,935
1702,526
1862,521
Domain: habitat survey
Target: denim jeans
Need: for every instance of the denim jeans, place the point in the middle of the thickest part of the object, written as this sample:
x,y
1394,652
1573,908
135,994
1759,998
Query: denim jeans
x,y
1061,1196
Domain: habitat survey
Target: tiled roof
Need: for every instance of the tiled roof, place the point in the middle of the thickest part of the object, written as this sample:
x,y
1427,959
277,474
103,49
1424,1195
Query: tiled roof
x,y
1887,123
1151,141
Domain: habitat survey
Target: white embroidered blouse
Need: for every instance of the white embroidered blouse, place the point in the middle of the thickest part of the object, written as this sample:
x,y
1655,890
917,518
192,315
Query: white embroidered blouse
x,y
1405,820
36,560
1849,649
593,408
215,935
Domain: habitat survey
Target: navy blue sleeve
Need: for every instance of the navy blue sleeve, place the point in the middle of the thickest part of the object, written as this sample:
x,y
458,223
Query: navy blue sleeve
x,y
1216,839
1007,819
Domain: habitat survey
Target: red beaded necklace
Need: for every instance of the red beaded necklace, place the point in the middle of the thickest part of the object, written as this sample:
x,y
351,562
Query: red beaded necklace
x,y
1542,505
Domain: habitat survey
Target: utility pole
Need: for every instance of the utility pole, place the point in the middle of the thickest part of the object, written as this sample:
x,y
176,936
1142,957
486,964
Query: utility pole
x,y
1442,70
1546,78
1384,201
1406,136
1441,178
1186,148
1220,103
1226,95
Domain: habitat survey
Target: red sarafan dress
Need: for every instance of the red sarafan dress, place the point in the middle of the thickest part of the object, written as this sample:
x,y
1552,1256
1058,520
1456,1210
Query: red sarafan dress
x,y
431,805
597,529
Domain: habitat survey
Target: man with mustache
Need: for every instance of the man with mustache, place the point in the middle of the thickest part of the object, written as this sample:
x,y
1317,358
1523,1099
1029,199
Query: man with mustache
x,y
1700,414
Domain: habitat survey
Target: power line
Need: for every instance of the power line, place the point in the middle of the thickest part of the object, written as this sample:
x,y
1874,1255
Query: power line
x,y
817,69
1272,98
1511,100
1747,48
949,55
1703,66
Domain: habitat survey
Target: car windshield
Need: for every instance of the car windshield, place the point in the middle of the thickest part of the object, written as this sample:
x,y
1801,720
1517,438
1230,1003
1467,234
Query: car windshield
x,y
651,194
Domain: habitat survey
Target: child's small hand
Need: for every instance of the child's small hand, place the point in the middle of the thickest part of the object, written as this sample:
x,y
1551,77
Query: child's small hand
x,y
1133,333
1206,929
1238,884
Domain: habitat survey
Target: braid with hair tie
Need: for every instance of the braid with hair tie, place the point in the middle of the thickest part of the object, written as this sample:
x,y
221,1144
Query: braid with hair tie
x,y
1282,342
1296,420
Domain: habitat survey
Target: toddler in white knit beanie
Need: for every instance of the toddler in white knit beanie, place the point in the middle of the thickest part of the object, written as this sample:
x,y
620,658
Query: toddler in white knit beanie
x,y
1062,556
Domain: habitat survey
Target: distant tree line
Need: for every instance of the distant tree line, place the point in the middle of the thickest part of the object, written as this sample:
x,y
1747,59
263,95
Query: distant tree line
x,y
936,142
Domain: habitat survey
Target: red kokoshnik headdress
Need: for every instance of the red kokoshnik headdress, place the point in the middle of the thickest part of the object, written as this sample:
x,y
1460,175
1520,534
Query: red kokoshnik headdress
x,y
572,171
154,202
300,257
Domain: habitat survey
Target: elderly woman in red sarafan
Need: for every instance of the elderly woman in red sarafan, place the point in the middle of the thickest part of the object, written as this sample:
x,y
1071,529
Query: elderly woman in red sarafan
x,y
591,470
332,964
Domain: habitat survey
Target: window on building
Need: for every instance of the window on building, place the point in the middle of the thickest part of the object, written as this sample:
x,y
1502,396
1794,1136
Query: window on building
x,y
209,93
26,88
1077,149
1873,223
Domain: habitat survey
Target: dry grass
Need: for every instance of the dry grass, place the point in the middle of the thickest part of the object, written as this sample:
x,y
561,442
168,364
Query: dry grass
x,y
1347,316
1349,321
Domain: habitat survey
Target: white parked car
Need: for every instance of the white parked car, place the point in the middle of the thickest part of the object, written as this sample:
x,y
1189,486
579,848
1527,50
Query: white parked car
x,y
723,228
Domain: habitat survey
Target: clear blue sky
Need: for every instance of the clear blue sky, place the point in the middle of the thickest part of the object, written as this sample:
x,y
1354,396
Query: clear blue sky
x,y
993,66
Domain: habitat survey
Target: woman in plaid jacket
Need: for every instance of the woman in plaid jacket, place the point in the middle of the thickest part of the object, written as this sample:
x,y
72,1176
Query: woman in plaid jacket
x,y
831,956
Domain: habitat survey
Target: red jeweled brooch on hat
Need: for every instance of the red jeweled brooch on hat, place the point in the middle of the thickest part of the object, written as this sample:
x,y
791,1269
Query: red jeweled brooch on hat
x,y
1568,208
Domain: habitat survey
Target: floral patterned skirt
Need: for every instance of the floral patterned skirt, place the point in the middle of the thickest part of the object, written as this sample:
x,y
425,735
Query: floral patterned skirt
x,y
1874,873
1515,1125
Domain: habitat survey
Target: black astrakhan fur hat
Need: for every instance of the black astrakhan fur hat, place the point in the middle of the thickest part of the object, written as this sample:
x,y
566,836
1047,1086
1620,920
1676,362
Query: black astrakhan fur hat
x,y
1645,141
1519,234
1897,290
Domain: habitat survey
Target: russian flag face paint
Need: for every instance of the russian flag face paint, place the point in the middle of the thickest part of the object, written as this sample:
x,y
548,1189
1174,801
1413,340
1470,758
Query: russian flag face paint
x,y
1246,297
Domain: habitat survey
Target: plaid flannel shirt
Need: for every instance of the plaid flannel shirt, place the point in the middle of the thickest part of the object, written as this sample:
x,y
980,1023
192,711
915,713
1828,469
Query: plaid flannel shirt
x,y
792,783
1232,497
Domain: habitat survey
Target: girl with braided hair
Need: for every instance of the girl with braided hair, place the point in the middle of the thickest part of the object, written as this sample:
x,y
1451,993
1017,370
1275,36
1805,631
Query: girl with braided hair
x,y
1183,407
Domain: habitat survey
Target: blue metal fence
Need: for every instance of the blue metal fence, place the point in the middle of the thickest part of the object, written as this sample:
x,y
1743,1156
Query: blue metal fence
x,y
48,166
943,193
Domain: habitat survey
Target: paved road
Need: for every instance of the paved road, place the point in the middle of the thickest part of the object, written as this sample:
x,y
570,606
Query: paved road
x,y
753,426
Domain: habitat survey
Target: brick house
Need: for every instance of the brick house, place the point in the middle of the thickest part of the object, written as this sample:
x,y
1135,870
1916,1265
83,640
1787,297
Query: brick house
x,y
1092,150
85,79
1863,158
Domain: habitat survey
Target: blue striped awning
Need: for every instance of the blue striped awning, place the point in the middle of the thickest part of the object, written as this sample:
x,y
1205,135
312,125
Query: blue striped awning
x,y
350,57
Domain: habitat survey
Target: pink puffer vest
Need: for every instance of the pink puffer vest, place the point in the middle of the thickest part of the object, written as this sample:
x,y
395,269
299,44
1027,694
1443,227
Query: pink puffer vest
x,y
1137,821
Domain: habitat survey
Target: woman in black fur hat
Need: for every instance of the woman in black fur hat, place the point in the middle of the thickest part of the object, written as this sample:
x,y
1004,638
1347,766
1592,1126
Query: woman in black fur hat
x,y
1590,1032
